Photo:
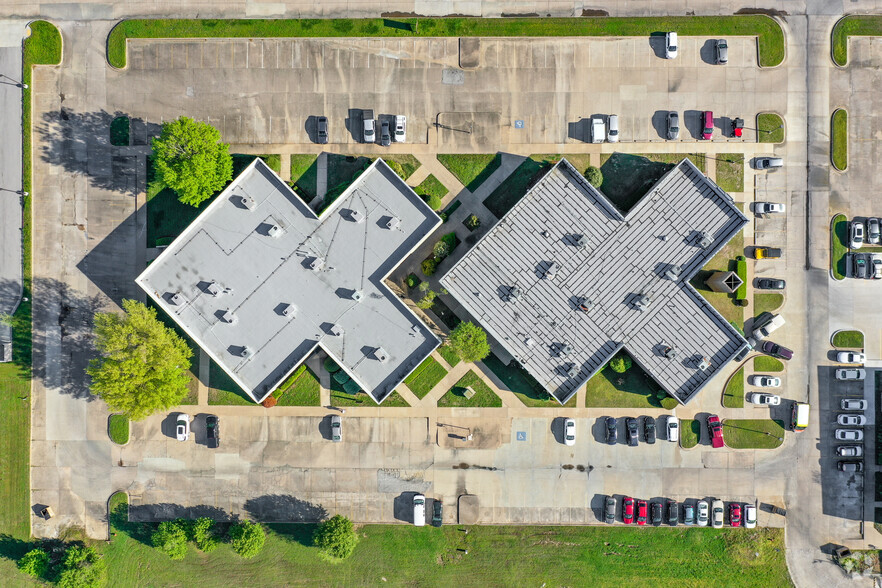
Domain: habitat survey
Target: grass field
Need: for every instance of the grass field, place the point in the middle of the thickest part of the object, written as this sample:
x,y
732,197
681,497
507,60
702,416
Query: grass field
x,y
767,302
853,26
340,398
223,390
753,433
305,390
633,389
839,139
849,339
304,175
118,428
733,395
839,247
730,171
770,128
449,355
425,377
524,386
484,395
402,164
690,433
471,170
764,363
431,187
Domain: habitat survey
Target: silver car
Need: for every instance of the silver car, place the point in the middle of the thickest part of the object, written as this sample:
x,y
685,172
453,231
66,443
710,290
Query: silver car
x,y
852,404
849,435
849,451
336,428
768,162
873,236
722,52
702,517
610,510
673,125
717,509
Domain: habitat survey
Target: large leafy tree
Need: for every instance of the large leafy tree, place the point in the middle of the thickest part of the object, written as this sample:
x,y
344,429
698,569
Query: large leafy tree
x,y
82,567
336,537
247,538
469,341
190,158
171,538
142,366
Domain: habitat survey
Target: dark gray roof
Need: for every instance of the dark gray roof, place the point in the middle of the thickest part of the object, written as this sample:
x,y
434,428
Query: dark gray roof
x,y
612,263
261,281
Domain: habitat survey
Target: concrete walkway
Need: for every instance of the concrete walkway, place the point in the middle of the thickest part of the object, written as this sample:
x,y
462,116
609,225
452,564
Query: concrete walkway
x,y
10,167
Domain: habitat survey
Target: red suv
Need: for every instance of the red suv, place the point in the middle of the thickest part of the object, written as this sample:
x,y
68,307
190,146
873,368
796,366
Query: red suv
x,y
735,514
642,507
628,510
716,430
707,128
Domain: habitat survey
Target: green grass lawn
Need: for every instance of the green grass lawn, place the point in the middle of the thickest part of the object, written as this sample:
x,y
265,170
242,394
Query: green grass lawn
x,y
342,399
839,139
733,395
515,186
839,247
769,33
850,339
449,355
471,169
430,187
767,302
633,389
770,127
730,172
853,26
690,433
402,164
118,428
764,363
627,177
342,171
724,260
425,377
223,390
753,433
484,395
304,175
305,390
524,386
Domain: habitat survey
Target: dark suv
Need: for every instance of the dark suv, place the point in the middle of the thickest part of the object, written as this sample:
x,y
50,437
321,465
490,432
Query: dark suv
x,y
673,512
212,431
649,429
611,434
322,130
437,513
633,428
656,509
776,350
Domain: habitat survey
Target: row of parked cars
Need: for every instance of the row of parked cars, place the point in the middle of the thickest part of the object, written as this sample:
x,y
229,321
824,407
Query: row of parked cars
x,y
212,429
853,417
721,49
632,429
700,513
391,128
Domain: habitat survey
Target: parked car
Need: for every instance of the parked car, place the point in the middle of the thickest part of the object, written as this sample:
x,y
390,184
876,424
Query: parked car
x,y
766,253
419,510
722,51
649,430
848,374
673,125
182,426
749,516
673,513
369,126
851,420
437,513
612,134
857,234
336,428
670,45
400,129
631,425
735,514
598,130
656,509
768,162
768,208
688,514
776,350
851,466
873,231
385,134
852,404
673,428
717,511
764,399
850,451
641,512
766,381
321,130
849,435
876,266
610,510
570,432
716,430
702,516
767,327
611,431
850,357
628,510
770,284
860,266
707,128
212,431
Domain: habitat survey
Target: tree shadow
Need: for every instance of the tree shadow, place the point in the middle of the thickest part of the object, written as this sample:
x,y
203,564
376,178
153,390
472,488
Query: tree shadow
x,y
301,533
284,508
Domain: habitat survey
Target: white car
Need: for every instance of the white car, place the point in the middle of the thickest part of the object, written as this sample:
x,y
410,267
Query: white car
x,y
764,399
670,45
850,357
702,511
419,510
336,428
749,516
182,427
849,451
768,327
673,425
851,420
876,266
852,404
612,134
768,208
717,510
849,435
400,129
850,374
569,432
766,381
857,235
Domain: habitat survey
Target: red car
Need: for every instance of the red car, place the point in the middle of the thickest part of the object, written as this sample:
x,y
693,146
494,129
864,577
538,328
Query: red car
x,y
642,507
716,430
707,126
628,510
735,514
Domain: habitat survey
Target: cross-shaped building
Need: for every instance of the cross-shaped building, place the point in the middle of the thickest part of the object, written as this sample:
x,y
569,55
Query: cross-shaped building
x,y
259,281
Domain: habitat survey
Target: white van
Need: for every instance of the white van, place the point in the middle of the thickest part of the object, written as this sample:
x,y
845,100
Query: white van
x,y
598,130
768,327
419,510
673,428
613,134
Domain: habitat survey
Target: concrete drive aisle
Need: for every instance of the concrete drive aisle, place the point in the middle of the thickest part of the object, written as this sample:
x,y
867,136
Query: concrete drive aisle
x,y
10,167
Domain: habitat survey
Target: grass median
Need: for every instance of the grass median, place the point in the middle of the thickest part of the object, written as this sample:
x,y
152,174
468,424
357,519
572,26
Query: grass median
x,y
733,395
770,128
764,363
753,433
839,139
769,33
853,26
839,246
848,339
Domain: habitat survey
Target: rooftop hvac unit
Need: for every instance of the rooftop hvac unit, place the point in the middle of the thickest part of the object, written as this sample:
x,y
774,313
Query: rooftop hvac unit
x,y
289,310
704,240
244,352
673,273
336,330
228,317
514,293
551,271
316,264
381,355
393,223
275,231
213,288
564,350
669,352
176,299
356,215
357,295
529,342
704,364
642,301
572,371
248,202
581,241
585,304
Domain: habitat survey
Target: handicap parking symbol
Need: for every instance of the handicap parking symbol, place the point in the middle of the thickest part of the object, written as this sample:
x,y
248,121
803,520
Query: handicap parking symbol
x,y
522,435
519,124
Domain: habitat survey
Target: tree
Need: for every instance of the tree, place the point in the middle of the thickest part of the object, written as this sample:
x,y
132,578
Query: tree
x,y
594,176
336,537
472,222
441,249
203,534
190,158
434,201
142,366
82,568
247,538
34,563
426,301
171,538
469,341
620,364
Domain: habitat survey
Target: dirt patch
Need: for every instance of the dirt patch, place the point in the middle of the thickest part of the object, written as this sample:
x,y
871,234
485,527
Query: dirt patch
x,y
594,12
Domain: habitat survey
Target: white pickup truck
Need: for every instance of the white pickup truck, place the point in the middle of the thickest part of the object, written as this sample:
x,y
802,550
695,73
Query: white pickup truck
x,y
598,130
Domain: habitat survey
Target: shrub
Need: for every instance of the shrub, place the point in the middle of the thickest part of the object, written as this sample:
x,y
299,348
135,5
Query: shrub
x,y
82,568
426,301
472,222
171,538
247,538
441,249
620,364
594,176
434,201
469,342
429,266
336,537
411,281
34,563
203,534
269,402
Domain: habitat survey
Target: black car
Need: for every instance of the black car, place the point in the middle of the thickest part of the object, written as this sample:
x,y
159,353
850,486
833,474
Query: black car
x,y
212,431
776,350
649,430
322,130
611,432
770,284
656,509
633,428
437,513
673,512
385,134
